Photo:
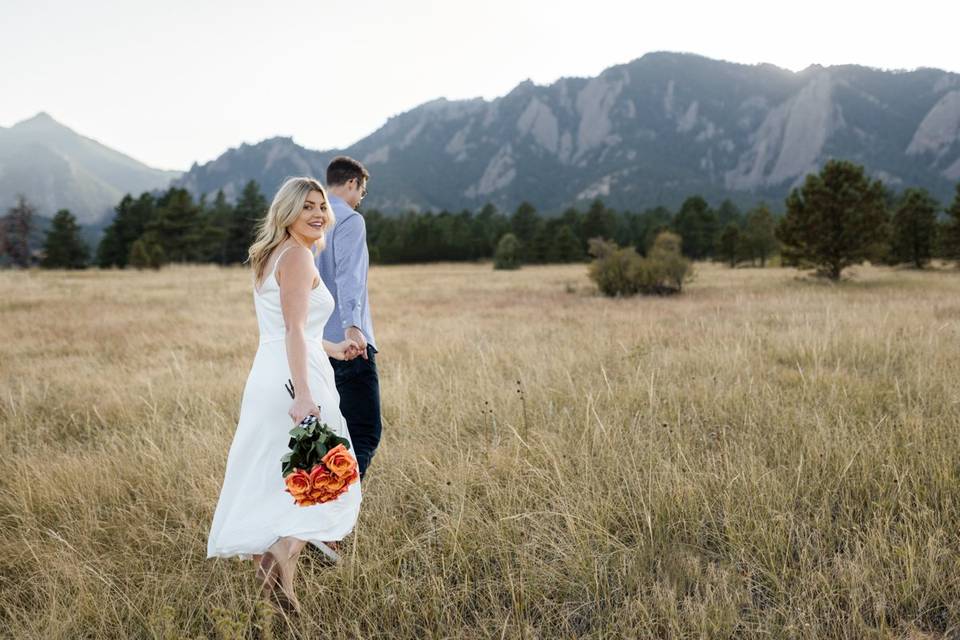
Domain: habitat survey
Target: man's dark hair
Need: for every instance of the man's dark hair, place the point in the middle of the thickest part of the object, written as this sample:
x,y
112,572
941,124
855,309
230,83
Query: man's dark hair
x,y
342,169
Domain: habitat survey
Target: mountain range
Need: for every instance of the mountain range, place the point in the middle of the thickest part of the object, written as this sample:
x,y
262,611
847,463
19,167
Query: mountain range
x,y
649,132
57,168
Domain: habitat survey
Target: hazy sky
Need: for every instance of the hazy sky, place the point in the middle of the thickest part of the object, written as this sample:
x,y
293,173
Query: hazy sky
x,y
171,82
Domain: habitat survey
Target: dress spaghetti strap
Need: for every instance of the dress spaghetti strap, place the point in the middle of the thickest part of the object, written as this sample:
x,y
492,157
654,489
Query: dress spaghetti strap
x,y
273,270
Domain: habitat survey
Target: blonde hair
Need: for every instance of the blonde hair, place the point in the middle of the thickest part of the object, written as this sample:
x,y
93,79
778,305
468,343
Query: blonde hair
x,y
273,229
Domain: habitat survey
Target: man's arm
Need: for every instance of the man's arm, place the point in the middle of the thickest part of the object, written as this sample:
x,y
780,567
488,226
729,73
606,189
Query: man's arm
x,y
350,237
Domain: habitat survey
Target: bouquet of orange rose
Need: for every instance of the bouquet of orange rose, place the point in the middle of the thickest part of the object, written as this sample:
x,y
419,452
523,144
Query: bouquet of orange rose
x,y
318,468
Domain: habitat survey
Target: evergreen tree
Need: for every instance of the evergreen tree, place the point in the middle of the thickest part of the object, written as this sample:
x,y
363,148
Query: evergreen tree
x,y
727,213
834,219
697,224
524,223
566,245
251,207
177,227
574,219
218,219
650,224
488,227
129,223
599,222
914,226
64,249
951,230
760,234
507,255
728,248
15,230
539,249
145,253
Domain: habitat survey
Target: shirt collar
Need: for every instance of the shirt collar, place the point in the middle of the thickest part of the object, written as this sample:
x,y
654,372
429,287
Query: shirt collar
x,y
337,201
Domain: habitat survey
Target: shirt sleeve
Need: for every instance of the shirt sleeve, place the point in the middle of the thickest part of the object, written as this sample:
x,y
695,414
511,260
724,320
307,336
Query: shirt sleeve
x,y
349,240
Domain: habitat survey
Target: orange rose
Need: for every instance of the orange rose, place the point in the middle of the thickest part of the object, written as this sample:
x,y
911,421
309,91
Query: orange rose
x,y
319,476
339,461
321,483
343,484
298,483
352,477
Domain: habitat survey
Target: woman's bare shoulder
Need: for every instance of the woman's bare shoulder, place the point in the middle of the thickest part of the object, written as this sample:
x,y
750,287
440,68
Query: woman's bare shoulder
x,y
296,261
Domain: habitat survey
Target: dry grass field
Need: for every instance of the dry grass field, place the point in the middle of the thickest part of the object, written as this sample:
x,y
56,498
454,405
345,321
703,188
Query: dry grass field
x,y
765,456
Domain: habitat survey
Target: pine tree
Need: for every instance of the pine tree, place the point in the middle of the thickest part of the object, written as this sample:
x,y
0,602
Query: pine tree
x,y
951,231
599,222
697,224
217,221
539,249
145,253
64,248
566,245
649,225
177,227
729,246
574,219
487,228
834,219
524,223
507,255
16,227
760,234
914,227
251,207
130,221
727,213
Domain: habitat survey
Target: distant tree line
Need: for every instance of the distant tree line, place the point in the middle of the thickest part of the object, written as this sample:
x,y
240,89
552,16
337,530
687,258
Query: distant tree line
x,y
151,231
836,218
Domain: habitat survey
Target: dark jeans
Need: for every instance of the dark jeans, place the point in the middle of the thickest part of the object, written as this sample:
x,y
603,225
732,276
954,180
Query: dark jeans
x,y
359,389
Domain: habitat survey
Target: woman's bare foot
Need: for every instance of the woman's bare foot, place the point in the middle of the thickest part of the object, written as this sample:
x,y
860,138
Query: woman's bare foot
x,y
280,553
268,574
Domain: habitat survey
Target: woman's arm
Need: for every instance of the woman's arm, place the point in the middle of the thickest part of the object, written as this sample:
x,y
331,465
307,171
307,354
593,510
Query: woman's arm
x,y
295,274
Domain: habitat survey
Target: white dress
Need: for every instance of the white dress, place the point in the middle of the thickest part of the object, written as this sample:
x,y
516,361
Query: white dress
x,y
254,510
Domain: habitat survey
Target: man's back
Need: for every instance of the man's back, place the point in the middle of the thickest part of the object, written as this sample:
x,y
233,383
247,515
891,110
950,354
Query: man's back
x,y
343,266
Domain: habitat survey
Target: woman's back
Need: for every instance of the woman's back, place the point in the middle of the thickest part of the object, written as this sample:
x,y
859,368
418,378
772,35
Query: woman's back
x,y
270,315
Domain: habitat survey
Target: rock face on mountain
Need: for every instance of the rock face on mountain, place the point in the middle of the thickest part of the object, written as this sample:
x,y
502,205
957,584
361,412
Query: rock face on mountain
x,y
652,131
57,168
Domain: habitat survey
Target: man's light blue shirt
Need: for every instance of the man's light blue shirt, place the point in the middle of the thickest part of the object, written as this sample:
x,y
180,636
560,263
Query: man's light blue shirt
x,y
343,266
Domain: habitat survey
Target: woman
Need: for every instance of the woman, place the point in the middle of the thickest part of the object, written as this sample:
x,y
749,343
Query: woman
x,y
255,517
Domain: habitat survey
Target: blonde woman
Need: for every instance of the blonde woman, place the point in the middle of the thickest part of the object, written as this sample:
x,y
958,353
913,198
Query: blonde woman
x,y
255,518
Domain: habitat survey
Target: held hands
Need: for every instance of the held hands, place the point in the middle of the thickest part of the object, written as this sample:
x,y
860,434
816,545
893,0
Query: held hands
x,y
346,350
354,334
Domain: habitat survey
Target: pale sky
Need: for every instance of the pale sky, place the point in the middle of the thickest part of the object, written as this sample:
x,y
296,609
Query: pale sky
x,y
176,81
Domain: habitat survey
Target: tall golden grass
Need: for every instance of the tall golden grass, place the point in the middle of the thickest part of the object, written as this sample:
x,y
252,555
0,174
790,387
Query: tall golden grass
x,y
765,456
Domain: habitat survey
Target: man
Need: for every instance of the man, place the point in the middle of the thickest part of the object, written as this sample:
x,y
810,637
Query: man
x,y
343,265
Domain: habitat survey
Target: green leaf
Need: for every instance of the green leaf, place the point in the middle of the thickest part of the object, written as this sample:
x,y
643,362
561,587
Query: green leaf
x,y
335,440
298,432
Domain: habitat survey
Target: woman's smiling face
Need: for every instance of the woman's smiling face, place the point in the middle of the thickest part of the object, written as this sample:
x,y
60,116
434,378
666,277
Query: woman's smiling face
x,y
314,219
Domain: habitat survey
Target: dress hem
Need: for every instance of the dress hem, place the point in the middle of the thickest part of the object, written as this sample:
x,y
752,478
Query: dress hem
x,y
311,537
